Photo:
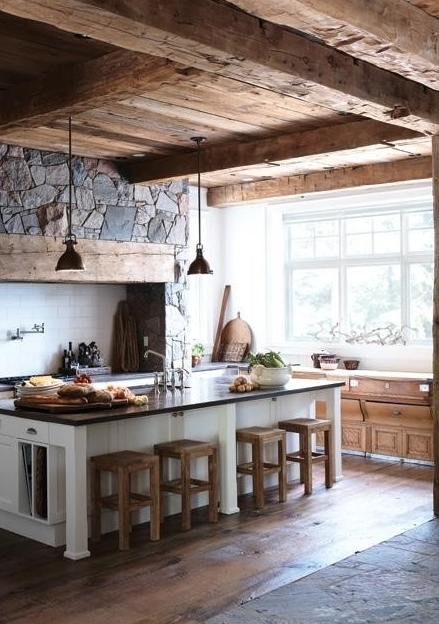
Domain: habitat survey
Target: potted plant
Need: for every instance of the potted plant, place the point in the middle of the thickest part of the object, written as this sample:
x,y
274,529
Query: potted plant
x,y
197,353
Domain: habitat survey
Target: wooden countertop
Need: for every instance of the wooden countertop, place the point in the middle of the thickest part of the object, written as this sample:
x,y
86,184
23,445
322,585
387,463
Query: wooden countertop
x,y
380,374
204,393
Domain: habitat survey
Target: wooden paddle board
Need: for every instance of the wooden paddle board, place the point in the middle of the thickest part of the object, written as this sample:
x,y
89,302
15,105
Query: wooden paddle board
x,y
235,340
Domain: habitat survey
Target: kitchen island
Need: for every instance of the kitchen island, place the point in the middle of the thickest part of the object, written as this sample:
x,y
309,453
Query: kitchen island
x,y
207,411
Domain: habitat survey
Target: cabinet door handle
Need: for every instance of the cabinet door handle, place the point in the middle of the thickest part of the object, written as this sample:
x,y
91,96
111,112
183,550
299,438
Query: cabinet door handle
x,y
31,431
396,413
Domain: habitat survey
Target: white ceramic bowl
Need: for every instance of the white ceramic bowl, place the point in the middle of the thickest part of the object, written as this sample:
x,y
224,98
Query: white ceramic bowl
x,y
270,376
328,365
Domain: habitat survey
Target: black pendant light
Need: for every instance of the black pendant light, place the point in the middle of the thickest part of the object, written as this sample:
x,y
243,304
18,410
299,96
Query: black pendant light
x,y
70,259
199,266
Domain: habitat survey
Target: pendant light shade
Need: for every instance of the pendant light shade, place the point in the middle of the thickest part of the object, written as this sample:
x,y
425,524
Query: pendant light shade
x,y
70,259
199,266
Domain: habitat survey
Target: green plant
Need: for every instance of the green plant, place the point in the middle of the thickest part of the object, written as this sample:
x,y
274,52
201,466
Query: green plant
x,y
198,349
271,359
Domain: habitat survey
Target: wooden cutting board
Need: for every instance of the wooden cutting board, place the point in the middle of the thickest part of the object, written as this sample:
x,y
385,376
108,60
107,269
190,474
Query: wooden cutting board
x,y
235,340
53,408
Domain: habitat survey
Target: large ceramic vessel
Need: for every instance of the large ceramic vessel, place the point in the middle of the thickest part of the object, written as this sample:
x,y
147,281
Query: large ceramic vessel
x,y
270,376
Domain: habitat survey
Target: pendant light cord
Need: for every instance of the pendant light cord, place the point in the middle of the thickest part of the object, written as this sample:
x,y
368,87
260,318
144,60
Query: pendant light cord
x,y
199,141
69,210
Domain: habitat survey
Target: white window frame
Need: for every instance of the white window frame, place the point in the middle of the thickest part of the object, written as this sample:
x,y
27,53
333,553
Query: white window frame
x,y
384,197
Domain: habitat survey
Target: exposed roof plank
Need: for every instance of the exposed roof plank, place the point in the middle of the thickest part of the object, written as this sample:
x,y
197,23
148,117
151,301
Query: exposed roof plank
x,y
221,39
92,83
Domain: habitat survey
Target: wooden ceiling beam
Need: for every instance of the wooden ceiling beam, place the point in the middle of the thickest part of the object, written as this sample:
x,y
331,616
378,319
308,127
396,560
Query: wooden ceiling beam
x,y
395,32
278,149
328,180
90,84
221,39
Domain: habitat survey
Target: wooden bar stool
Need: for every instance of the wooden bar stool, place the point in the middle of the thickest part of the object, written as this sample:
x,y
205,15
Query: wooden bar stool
x,y
306,456
258,437
185,486
124,464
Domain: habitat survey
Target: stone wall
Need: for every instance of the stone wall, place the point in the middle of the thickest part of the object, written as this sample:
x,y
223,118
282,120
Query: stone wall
x,y
34,195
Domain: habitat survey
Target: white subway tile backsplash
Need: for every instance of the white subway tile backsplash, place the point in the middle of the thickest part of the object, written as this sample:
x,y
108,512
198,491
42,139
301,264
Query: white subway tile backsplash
x,y
70,312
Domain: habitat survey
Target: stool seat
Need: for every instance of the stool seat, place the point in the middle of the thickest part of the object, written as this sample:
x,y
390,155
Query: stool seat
x,y
258,467
306,456
185,485
125,501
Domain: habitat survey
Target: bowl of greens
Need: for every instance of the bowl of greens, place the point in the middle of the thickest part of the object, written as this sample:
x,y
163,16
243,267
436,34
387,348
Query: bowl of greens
x,y
268,369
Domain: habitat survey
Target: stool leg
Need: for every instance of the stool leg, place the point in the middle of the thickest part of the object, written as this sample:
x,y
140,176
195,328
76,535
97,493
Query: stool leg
x,y
155,507
281,460
307,462
95,487
161,481
213,486
124,512
329,478
185,493
258,473
302,466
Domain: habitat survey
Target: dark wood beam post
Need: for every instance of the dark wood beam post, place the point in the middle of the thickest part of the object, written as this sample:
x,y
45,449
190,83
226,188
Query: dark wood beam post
x,y
435,168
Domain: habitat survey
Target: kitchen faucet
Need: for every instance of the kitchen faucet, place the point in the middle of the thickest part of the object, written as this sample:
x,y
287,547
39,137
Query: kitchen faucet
x,y
163,358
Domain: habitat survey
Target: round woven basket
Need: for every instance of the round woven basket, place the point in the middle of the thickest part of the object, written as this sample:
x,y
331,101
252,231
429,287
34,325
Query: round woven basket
x,y
351,364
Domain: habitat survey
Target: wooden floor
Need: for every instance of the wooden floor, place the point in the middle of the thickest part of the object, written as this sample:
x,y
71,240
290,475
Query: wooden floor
x,y
187,578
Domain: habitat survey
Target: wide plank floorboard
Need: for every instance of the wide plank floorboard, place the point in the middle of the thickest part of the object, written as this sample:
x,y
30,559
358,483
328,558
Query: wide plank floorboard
x,y
189,577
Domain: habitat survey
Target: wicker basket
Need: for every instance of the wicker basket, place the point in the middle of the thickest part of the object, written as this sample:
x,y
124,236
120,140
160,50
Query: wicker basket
x,y
351,364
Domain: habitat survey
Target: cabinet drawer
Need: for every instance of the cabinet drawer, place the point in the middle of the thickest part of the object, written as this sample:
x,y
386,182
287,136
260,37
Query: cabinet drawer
x,y
416,389
396,414
351,410
24,428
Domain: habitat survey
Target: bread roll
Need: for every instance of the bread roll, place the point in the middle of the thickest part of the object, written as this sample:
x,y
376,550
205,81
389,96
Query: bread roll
x,y
100,396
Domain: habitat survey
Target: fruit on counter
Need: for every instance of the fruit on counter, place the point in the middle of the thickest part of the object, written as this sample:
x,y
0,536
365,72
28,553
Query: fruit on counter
x,y
242,384
270,359
82,378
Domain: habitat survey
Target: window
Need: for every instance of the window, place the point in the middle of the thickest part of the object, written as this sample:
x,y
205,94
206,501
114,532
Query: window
x,y
352,269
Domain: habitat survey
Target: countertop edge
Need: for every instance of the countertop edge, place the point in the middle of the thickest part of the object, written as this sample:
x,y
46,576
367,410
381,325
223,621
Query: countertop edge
x,y
207,393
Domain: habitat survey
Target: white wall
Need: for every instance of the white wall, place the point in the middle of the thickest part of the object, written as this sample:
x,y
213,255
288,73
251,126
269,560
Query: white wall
x,y
70,312
243,253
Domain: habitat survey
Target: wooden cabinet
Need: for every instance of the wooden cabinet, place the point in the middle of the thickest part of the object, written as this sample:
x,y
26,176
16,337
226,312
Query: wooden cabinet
x,y
397,414
353,427
385,415
400,429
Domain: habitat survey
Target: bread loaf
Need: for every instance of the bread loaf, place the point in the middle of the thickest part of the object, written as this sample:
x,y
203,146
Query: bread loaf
x,y
51,399
41,398
75,390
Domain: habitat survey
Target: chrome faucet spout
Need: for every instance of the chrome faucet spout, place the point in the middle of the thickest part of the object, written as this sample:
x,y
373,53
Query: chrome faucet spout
x,y
163,358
